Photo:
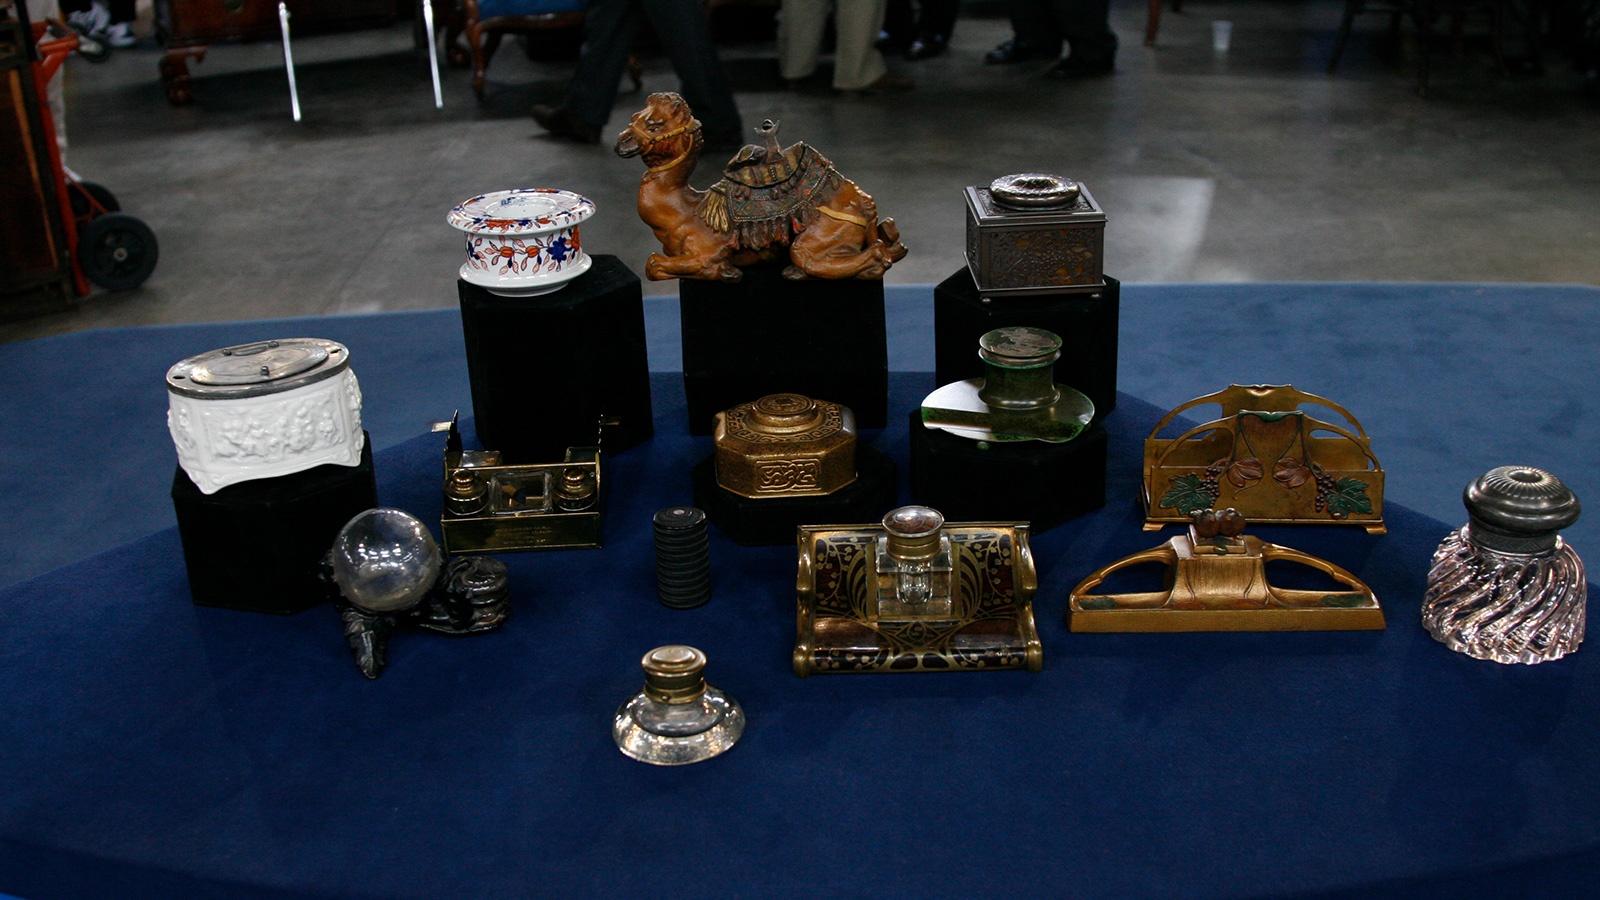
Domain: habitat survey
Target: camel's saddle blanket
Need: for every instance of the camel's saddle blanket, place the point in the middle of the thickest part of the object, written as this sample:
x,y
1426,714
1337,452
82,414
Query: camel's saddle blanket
x,y
764,197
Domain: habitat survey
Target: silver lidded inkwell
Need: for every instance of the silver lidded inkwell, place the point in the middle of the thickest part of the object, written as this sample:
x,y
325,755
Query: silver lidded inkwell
x,y
1505,587
677,718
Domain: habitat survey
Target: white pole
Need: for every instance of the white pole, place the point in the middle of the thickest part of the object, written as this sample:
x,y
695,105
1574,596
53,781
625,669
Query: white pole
x,y
433,53
288,60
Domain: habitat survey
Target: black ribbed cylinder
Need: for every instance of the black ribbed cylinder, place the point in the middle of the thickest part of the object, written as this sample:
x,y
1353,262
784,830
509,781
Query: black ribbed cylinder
x,y
683,557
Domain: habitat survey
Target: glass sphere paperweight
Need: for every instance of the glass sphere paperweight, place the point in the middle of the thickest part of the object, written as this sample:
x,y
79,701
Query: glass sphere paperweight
x,y
385,561
1505,587
677,718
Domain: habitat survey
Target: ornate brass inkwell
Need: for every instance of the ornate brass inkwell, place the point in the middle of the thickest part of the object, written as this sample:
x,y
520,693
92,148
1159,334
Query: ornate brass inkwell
x,y
1217,581
785,445
1265,456
914,594
1017,399
495,508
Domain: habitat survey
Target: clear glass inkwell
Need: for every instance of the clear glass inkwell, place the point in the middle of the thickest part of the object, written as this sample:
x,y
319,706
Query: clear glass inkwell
x,y
677,718
913,565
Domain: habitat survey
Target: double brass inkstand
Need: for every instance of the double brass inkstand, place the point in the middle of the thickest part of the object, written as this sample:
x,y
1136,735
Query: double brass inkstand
x,y
491,507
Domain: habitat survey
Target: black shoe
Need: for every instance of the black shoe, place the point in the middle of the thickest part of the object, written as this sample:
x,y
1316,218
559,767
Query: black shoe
x,y
561,123
1073,68
926,48
1015,51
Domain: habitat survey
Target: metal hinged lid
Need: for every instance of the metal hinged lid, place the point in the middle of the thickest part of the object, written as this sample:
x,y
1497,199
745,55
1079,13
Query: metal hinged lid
x,y
988,212
263,367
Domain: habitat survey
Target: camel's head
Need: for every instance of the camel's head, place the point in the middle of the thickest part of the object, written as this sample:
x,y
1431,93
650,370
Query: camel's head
x,y
663,129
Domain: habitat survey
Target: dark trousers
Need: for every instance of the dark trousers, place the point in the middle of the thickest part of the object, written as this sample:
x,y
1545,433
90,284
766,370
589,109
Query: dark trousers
x,y
608,32
1081,23
933,19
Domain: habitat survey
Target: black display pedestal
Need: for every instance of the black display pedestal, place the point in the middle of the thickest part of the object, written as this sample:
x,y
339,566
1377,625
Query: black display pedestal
x,y
774,520
1086,324
544,370
765,334
258,545
1030,481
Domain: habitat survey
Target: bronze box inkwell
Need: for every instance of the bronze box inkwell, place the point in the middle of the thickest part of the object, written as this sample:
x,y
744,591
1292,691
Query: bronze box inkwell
x,y
785,460
914,594
1035,234
494,508
785,445
1216,580
1320,472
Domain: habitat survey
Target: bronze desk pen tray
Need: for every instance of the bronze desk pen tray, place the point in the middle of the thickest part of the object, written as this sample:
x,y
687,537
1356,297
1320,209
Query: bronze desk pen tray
x,y
931,597
1216,580
490,507
1267,458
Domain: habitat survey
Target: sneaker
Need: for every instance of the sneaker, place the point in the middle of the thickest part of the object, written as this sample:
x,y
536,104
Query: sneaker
x,y
95,19
121,35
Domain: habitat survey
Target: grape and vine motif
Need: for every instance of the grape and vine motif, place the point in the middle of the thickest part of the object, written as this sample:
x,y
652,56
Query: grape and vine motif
x,y
1339,497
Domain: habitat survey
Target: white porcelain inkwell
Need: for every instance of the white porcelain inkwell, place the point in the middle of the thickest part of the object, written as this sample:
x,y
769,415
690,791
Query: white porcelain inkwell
x,y
264,409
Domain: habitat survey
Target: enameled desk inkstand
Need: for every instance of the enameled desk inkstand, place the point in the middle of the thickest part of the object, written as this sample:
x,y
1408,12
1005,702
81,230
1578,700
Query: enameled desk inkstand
x,y
1267,457
677,718
914,594
388,573
490,507
1034,233
1216,580
1506,587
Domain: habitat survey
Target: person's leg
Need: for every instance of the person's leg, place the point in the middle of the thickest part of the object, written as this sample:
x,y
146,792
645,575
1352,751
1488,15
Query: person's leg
x,y
1034,34
937,19
681,26
899,25
1084,23
856,60
800,27
609,27
120,34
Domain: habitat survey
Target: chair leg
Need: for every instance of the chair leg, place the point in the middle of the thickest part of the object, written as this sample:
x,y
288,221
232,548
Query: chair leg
x,y
491,43
635,73
1152,22
1352,8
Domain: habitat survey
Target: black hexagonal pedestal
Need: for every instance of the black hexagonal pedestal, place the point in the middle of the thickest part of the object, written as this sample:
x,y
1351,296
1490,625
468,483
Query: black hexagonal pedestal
x,y
258,545
773,520
1028,481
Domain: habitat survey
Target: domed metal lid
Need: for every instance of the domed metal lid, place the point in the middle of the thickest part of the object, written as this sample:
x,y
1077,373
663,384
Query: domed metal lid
x,y
264,367
674,673
1519,509
1019,347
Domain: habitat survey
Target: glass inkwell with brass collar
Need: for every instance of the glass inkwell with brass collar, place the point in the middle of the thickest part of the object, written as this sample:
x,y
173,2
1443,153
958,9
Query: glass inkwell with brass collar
x,y
914,593
1017,399
677,718
490,507
785,445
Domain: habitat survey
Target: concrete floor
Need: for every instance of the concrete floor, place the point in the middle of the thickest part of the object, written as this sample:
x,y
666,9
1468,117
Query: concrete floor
x,y
1249,165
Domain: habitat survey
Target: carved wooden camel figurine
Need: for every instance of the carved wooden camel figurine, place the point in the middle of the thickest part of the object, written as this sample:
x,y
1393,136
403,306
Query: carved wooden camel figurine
x,y
769,200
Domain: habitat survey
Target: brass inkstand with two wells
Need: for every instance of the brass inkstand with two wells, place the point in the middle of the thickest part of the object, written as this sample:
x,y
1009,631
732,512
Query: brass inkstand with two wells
x,y
492,507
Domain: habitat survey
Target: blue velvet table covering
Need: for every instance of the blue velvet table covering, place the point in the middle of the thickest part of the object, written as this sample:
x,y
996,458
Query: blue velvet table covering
x,y
155,748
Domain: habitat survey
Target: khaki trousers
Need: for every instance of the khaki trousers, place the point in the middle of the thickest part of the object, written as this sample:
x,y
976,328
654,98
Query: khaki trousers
x,y
856,62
